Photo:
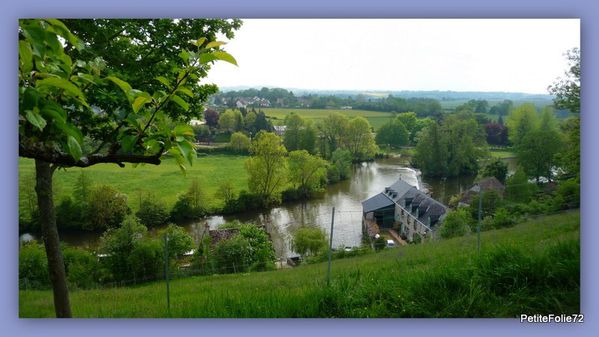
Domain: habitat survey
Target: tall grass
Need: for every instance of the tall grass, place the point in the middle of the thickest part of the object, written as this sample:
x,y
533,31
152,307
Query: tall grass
x,y
533,267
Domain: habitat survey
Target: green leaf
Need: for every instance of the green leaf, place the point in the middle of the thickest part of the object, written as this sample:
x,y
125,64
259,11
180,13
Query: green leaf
x,y
207,57
128,142
74,148
187,151
34,117
185,91
184,55
140,101
164,81
184,130
200,41
224,56
180,102
61,83
126,87
55,113
215,44
25,57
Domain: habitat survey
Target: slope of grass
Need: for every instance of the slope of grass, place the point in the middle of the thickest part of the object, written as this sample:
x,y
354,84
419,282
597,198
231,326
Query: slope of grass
x,y
164,180
533,267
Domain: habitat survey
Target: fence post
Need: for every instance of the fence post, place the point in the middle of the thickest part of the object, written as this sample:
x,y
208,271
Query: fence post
x,y
330,248
166,274
480,211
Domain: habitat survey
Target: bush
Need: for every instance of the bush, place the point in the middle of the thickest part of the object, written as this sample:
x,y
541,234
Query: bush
x,y
456,223
107,208
501,219
567,195
231,255
191,205
309,241
146,260
33,267
239,143
179,242
152,212
82,268
70,215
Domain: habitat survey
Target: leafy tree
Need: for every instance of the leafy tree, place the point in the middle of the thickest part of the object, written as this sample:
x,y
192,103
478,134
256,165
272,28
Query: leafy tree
x,y
456,223
70,214
340,167
202,133
359,140
538,149
502,109
85,94
309,241
250,249
83,187
495,168
239,142
211,118
392,133
497,134
306,171
300,135
230,121
521,122
465,140
267,167
333,131
431,151
491,201
567,89
106,209
569,158
261,123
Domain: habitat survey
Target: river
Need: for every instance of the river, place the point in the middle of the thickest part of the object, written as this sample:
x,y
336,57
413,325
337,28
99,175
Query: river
x,y
367,180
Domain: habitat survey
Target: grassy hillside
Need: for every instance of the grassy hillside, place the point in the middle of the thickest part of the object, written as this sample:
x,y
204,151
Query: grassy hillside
x,y
375,118
533,267
164,180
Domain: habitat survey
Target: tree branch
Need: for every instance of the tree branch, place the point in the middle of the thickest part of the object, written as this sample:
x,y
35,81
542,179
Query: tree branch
x,y
48,154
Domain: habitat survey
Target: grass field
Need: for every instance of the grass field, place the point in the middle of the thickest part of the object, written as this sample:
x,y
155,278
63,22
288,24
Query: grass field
x,y
533,267
164,180
376,119
500,154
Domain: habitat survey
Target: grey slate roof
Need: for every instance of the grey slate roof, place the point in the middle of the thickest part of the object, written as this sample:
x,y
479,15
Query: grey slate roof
x,y
377,202
410,198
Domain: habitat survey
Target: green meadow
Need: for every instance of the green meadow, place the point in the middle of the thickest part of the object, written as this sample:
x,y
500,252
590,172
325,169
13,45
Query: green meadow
x,y
164,180
533,267
375,118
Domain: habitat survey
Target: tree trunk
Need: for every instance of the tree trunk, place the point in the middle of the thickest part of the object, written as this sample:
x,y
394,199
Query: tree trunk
x,y
43,188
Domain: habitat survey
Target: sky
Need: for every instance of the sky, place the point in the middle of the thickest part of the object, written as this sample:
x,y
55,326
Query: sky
x,y
509,55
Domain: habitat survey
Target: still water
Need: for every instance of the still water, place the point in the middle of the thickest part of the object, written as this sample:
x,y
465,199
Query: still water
x,y
367,180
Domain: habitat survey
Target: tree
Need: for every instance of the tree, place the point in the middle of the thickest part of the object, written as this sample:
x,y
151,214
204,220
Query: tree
x,y
309,240
495,168
179,242
119,243
496,134
538,149
517,187
152,212
250,249
267,167
431,151
239,142
75,100
226,192
191,204
211,118
520,122
359,140
333,130
392,133
306,171
230,121
567,89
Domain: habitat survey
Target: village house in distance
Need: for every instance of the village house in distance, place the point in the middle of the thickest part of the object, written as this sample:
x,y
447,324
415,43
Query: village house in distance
x,y
403,207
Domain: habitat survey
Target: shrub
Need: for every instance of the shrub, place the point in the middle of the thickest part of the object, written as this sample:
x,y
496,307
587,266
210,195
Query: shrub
x,y
70,215
179,242
146,260
231,254
239,143
152,212
33,267
82,268
309,240
107,208
191,205
568,195
456,223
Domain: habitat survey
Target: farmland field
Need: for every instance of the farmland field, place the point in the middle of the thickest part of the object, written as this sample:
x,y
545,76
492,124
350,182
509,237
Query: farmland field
x,y
376,118
164,180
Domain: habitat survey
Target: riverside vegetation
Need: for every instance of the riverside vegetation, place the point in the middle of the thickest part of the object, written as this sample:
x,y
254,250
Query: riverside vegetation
x,y
531,267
